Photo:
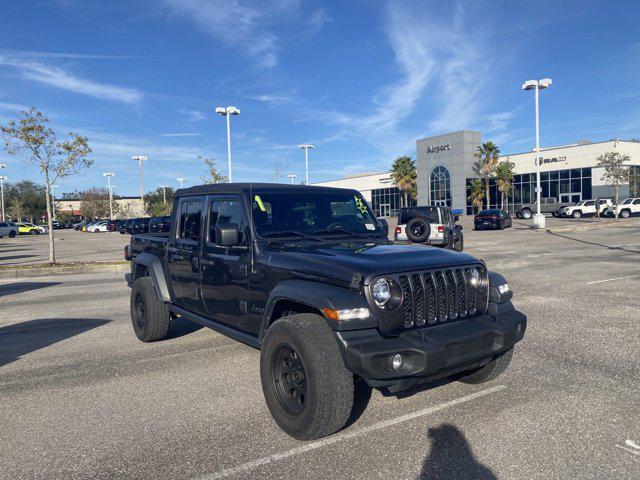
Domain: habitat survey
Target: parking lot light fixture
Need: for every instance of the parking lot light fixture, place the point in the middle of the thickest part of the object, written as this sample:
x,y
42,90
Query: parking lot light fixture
x,y
164,193
2,179
306,147
110,187
181,180
537,85
140,159
292,177
227,112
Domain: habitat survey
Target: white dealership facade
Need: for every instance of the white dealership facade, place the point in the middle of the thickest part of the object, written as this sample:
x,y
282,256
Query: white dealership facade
x,y
447,163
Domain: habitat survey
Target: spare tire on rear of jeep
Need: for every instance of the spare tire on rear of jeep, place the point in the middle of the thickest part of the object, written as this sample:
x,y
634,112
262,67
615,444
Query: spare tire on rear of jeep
x,y
418,230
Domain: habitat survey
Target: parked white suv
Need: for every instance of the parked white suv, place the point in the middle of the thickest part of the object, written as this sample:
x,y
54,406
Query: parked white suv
x,y
8,229
442,229
585,208
628,207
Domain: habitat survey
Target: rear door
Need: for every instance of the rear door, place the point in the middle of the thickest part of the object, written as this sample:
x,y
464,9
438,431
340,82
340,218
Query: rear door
x,y
225,270
183,253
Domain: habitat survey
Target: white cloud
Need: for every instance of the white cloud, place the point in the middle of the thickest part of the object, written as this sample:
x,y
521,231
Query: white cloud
x,y
249,26
193,115
57,77
13,107
180,134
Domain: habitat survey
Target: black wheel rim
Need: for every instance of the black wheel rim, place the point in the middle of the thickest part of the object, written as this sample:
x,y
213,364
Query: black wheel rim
x,y
417,230
141,311
289,379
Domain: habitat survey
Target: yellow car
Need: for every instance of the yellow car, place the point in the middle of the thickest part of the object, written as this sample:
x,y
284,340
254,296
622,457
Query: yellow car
x,y
30,228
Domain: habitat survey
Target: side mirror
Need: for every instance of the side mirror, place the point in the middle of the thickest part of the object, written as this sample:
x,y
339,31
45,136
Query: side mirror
x,y
385,226
227,234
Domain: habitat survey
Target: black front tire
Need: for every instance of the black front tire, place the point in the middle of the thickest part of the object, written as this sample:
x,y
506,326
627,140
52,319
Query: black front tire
x,y
458,246
149,314
318,400
490,371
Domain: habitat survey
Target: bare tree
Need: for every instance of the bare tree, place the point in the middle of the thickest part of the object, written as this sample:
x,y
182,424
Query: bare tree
x,y
212,175
277,175
615,172
94,203
33,139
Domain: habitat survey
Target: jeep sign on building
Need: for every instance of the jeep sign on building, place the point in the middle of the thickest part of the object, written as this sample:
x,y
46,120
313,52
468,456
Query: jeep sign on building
x,y
447,163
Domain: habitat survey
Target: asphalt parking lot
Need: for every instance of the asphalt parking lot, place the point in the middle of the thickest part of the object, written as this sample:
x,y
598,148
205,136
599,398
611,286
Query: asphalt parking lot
x,y
80,397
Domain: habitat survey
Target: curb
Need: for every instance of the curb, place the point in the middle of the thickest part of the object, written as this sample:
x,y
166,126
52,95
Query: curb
x,y
63,269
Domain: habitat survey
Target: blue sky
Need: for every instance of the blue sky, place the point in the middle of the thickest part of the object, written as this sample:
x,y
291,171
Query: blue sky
x,y
361,80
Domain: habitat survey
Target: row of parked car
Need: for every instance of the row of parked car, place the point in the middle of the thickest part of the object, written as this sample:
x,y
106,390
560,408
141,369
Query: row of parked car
x,y
584,208
132,225
11,229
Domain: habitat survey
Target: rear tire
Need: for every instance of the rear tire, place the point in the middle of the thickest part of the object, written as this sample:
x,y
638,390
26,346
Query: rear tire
x,y
12,234
307,388
418,230
149,315
490,371
526,214
459,245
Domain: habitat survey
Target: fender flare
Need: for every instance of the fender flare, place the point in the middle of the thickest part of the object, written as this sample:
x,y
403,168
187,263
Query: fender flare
x,y
154,266
318,295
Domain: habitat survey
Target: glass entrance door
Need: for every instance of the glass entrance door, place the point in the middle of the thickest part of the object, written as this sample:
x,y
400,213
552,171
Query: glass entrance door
x,y
385,209
570,197
440,203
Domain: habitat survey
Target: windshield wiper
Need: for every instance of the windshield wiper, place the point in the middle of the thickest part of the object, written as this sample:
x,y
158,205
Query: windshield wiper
x,y
341,230
287,233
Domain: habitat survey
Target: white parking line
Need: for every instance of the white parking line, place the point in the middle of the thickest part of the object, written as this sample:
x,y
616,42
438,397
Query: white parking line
x,y
245,467
612,279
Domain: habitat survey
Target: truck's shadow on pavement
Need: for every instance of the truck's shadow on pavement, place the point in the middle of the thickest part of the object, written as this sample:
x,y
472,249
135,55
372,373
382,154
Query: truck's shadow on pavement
x,y
451,457
180,327
22,338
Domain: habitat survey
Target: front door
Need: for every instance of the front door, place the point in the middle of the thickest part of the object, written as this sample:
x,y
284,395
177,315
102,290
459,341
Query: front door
x,y
385,210
225,270
570,197
440,203
183,252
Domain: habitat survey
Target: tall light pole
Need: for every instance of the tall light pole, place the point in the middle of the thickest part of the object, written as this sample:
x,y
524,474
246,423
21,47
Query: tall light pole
x,y
537,85
306,148
53,201
227,112
2,179
140,159
109,186
181,180
292,177
164,193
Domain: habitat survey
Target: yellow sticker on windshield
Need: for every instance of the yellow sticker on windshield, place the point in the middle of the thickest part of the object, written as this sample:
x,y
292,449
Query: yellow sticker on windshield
x,y
259,202
361,206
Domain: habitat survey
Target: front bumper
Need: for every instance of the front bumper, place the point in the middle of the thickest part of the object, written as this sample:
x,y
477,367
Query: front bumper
x,y
432,352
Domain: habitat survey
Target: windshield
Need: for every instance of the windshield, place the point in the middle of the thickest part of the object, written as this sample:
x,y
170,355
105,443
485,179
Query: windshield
x,y
284,214
581,203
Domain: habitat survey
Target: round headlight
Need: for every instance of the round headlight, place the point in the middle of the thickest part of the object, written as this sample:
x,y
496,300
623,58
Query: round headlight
x,y
475,278
381,291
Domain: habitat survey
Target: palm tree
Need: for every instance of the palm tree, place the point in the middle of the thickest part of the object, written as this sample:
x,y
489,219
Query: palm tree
x,y
476,193
403,173
488,154
504,178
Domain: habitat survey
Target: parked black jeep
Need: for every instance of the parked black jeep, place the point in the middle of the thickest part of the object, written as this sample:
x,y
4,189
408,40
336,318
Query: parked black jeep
x,y
307,275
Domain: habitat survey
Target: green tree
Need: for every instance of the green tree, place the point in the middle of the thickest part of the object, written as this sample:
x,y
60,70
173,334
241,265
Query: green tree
x,y
504,178
33,139
476,193
212,175
26,200
155,204
403,173
488,154
615,171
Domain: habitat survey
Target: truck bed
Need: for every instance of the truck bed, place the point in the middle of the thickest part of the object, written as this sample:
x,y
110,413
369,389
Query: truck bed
x,y
149,242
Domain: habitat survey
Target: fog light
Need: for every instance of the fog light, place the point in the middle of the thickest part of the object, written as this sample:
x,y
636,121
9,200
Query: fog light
x,y
396,363
504,288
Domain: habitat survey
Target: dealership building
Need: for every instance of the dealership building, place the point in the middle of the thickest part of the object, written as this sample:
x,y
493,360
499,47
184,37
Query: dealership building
x,y
446,165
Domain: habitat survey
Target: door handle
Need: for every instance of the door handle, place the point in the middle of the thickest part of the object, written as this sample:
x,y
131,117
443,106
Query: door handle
x,y
208,263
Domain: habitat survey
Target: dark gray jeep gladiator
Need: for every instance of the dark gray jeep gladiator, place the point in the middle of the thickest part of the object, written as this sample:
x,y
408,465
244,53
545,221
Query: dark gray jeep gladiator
x,y
307,275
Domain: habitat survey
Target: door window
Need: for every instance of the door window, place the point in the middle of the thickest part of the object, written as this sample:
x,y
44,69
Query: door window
x,y
225,211
636,202
189,222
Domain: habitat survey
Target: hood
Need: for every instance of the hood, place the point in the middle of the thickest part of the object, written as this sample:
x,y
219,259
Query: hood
x,y
341,261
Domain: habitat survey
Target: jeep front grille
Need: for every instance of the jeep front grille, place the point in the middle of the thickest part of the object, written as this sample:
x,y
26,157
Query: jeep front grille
x,y
437,296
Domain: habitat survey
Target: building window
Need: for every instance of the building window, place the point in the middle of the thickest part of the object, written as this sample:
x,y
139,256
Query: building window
x,y
386,202
440,186
565,185
634,181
